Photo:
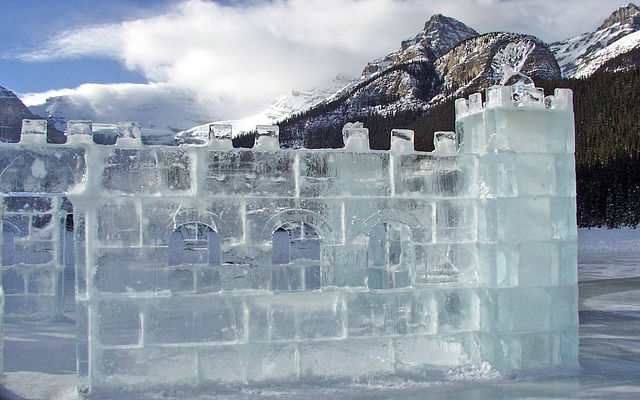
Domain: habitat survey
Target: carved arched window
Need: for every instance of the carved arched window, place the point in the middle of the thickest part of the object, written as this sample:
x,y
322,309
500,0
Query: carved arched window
x,y
194,243
192,246
295,257
390,255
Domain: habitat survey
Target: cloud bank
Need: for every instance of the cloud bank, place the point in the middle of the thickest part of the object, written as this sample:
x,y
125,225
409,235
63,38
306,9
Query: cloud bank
x,y
236,58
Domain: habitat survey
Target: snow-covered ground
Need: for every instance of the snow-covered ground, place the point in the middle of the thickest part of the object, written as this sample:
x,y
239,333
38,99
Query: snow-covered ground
x,y
39,360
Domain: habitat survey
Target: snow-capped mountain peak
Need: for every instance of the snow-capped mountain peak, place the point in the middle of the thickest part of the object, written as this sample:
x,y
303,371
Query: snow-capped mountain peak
x,y
582,55
440,34
283,107
627,15
297,100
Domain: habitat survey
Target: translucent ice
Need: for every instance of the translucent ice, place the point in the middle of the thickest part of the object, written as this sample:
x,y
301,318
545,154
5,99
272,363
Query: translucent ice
x,y
511,59
220,136
402,141
444,142
267,137
129,133
79,131
34,131
355,137
507,65
204,265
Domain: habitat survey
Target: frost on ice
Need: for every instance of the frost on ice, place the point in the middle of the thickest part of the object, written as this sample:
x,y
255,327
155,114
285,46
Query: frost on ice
x,y
211,265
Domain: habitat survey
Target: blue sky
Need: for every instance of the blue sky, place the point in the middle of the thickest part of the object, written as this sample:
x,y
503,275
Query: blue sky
x,y
26,25
239,54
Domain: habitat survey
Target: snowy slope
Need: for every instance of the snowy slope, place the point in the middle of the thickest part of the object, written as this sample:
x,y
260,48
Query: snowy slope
x,y
600,57
440,34
300,100
286,105
582,55
164,111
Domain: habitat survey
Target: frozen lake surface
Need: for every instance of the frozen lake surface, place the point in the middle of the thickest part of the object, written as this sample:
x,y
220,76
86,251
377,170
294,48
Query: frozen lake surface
x,y
40,359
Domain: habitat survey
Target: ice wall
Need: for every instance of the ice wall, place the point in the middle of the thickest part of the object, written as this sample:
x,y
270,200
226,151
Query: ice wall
x,y
213,265
34,179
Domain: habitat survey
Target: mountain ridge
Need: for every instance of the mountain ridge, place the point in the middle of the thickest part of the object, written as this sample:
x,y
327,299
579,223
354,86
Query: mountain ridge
x,y
402,80
620,24
12,112
581,55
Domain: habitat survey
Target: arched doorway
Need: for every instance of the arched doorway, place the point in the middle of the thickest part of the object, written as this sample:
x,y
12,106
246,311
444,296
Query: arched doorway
x,y
295,257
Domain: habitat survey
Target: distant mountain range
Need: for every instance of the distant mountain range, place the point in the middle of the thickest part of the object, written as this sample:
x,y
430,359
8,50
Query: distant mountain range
x,y
446,59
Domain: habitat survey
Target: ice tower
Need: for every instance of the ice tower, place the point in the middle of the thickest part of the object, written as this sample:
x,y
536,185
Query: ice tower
x,y
214,265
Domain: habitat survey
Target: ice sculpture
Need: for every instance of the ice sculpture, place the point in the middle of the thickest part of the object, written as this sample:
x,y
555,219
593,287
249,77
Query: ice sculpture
x,y
213,265
507,65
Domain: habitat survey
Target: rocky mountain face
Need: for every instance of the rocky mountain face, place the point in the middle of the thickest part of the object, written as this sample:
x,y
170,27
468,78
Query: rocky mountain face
x,y
404,79
627,15
475,64
12,112
582,55
418,76
448,59
440,34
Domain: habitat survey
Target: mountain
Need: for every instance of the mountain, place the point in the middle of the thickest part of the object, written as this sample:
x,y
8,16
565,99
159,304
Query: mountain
x,y
477,63
12,112
407,83
440,35
446,59
298,100
582,55
401,80
284,106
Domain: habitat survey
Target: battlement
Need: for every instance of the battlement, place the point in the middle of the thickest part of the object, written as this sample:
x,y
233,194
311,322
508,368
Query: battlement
x,y
503,97
213,265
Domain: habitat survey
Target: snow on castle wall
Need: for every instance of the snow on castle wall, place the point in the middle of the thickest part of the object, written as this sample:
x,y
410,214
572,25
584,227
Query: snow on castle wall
x,y
213,265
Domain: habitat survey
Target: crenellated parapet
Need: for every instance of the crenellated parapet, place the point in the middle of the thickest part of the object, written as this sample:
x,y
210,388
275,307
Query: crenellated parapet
x,y
238,266
535,124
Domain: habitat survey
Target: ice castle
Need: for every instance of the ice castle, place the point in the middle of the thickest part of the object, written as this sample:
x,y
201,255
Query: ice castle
x,y
215,265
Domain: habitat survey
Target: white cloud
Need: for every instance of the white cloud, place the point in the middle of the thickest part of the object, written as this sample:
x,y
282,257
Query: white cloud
x,y
159,107
239,58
